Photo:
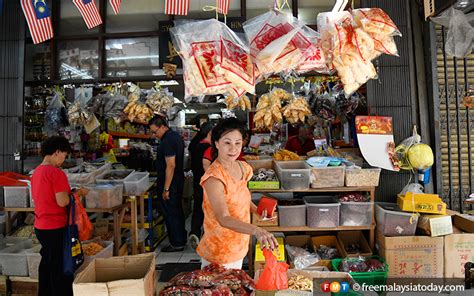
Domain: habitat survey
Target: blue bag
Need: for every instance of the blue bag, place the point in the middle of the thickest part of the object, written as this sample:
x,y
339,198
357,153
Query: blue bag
x,y
73,257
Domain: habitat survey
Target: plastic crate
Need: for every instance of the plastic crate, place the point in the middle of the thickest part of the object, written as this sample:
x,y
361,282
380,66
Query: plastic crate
x,y
357,213
392,221
137,183
368,278
33,258
107,252
104,177
104,196
293,175
362,177
322,211
327,177
291,212
13,259
16,196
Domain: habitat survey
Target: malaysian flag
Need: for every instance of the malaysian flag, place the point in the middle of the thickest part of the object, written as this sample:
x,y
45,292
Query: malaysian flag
x,y
38,18
89,12
177,7
115,5
223,6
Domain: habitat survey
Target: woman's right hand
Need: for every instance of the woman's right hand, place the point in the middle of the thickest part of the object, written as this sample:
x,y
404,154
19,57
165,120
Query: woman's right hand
x,y
266,239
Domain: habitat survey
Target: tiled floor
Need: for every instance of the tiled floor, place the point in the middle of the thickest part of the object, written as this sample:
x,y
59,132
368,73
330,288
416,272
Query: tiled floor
x,y
189,254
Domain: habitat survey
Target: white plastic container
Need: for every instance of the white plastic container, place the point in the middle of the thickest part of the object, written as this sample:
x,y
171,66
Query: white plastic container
x,y
363,177
13,259
16,196
322,211
291,212
392,221
111,177
33,258
293,175
137,183
104,196
356,213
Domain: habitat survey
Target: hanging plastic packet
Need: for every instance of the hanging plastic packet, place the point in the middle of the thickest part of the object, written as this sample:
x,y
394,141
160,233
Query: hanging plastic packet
x,y
215,60
56,115
80,115
315,59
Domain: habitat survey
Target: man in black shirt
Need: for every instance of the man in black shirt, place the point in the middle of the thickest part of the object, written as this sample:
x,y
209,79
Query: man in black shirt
x,y
170,182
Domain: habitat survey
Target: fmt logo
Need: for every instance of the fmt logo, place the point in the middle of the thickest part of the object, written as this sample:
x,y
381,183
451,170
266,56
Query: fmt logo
x,y
335,287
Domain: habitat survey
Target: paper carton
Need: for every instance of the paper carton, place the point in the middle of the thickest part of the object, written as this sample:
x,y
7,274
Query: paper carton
x,y
329,241
435,225
346,238
458,249
304,241
412,256
257,220
118,276
463,222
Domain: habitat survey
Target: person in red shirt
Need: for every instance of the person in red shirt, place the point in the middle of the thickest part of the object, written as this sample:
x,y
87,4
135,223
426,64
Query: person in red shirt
x,y
303,142
50,191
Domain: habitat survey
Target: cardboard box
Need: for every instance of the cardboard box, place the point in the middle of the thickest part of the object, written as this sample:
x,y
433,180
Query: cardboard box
x,y
458,249
353,237
257,220
116,276
412,256
303,241
435,225
330,241
462,222
421,203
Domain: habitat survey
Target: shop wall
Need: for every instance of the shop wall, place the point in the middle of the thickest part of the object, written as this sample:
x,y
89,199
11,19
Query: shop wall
x,y
395,93
12,43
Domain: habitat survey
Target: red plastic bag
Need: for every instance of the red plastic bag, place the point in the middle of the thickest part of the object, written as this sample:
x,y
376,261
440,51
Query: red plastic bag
x,y
274,275
82,220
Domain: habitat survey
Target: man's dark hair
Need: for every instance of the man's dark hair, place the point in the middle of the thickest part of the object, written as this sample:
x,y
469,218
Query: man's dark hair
x,y
158,121
53,144
223,127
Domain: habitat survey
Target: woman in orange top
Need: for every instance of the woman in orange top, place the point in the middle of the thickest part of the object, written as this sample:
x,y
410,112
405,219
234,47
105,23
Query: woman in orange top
x,y
227,201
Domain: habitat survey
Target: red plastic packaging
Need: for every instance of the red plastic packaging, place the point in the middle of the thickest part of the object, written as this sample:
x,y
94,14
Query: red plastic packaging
x,y
82,220
274,276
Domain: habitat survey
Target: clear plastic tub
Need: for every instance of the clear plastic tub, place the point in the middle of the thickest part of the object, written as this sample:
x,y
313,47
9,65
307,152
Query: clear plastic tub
x,y
322,211
137,183
293,175
362,177
31,201
114,177
33,258
356,213
327,177
392,221
16,196
107,252
104,196
13,259
291,212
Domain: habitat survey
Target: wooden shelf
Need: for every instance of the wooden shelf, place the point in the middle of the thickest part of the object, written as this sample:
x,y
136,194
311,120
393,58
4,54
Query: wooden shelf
x,y
127,135
109,210
334,189
306,228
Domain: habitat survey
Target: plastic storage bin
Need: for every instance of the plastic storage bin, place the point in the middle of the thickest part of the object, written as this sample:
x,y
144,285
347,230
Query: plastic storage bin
x,y
357,213
322,211
33,258
291,212
327,177
16,196
107,252
369,278
392,221
104,196
362,177
13,259
137,183
114,177
293,175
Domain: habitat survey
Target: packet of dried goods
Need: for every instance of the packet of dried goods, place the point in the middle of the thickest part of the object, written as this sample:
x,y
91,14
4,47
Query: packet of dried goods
x,y
375,21
315,59
215,60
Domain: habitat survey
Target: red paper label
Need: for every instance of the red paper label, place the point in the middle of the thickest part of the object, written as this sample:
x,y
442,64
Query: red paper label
x,y
375,125
206,56
236,60
267,34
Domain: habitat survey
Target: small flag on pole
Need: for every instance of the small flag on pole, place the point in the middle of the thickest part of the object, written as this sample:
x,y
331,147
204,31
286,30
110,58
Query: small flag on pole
x,y
38,18
89,12
177,7
115,5
223,6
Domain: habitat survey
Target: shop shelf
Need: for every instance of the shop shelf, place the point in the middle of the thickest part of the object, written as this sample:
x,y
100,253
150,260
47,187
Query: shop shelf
x,y
291,212
16,196
33,257
327,177
322,211
293,175
104,196
356,213
362,177
368,278
137,183
392,221
13,259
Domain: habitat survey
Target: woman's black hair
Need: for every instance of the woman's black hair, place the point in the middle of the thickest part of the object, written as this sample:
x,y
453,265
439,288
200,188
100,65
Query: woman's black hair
x,y
53,144
202,134
223,127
